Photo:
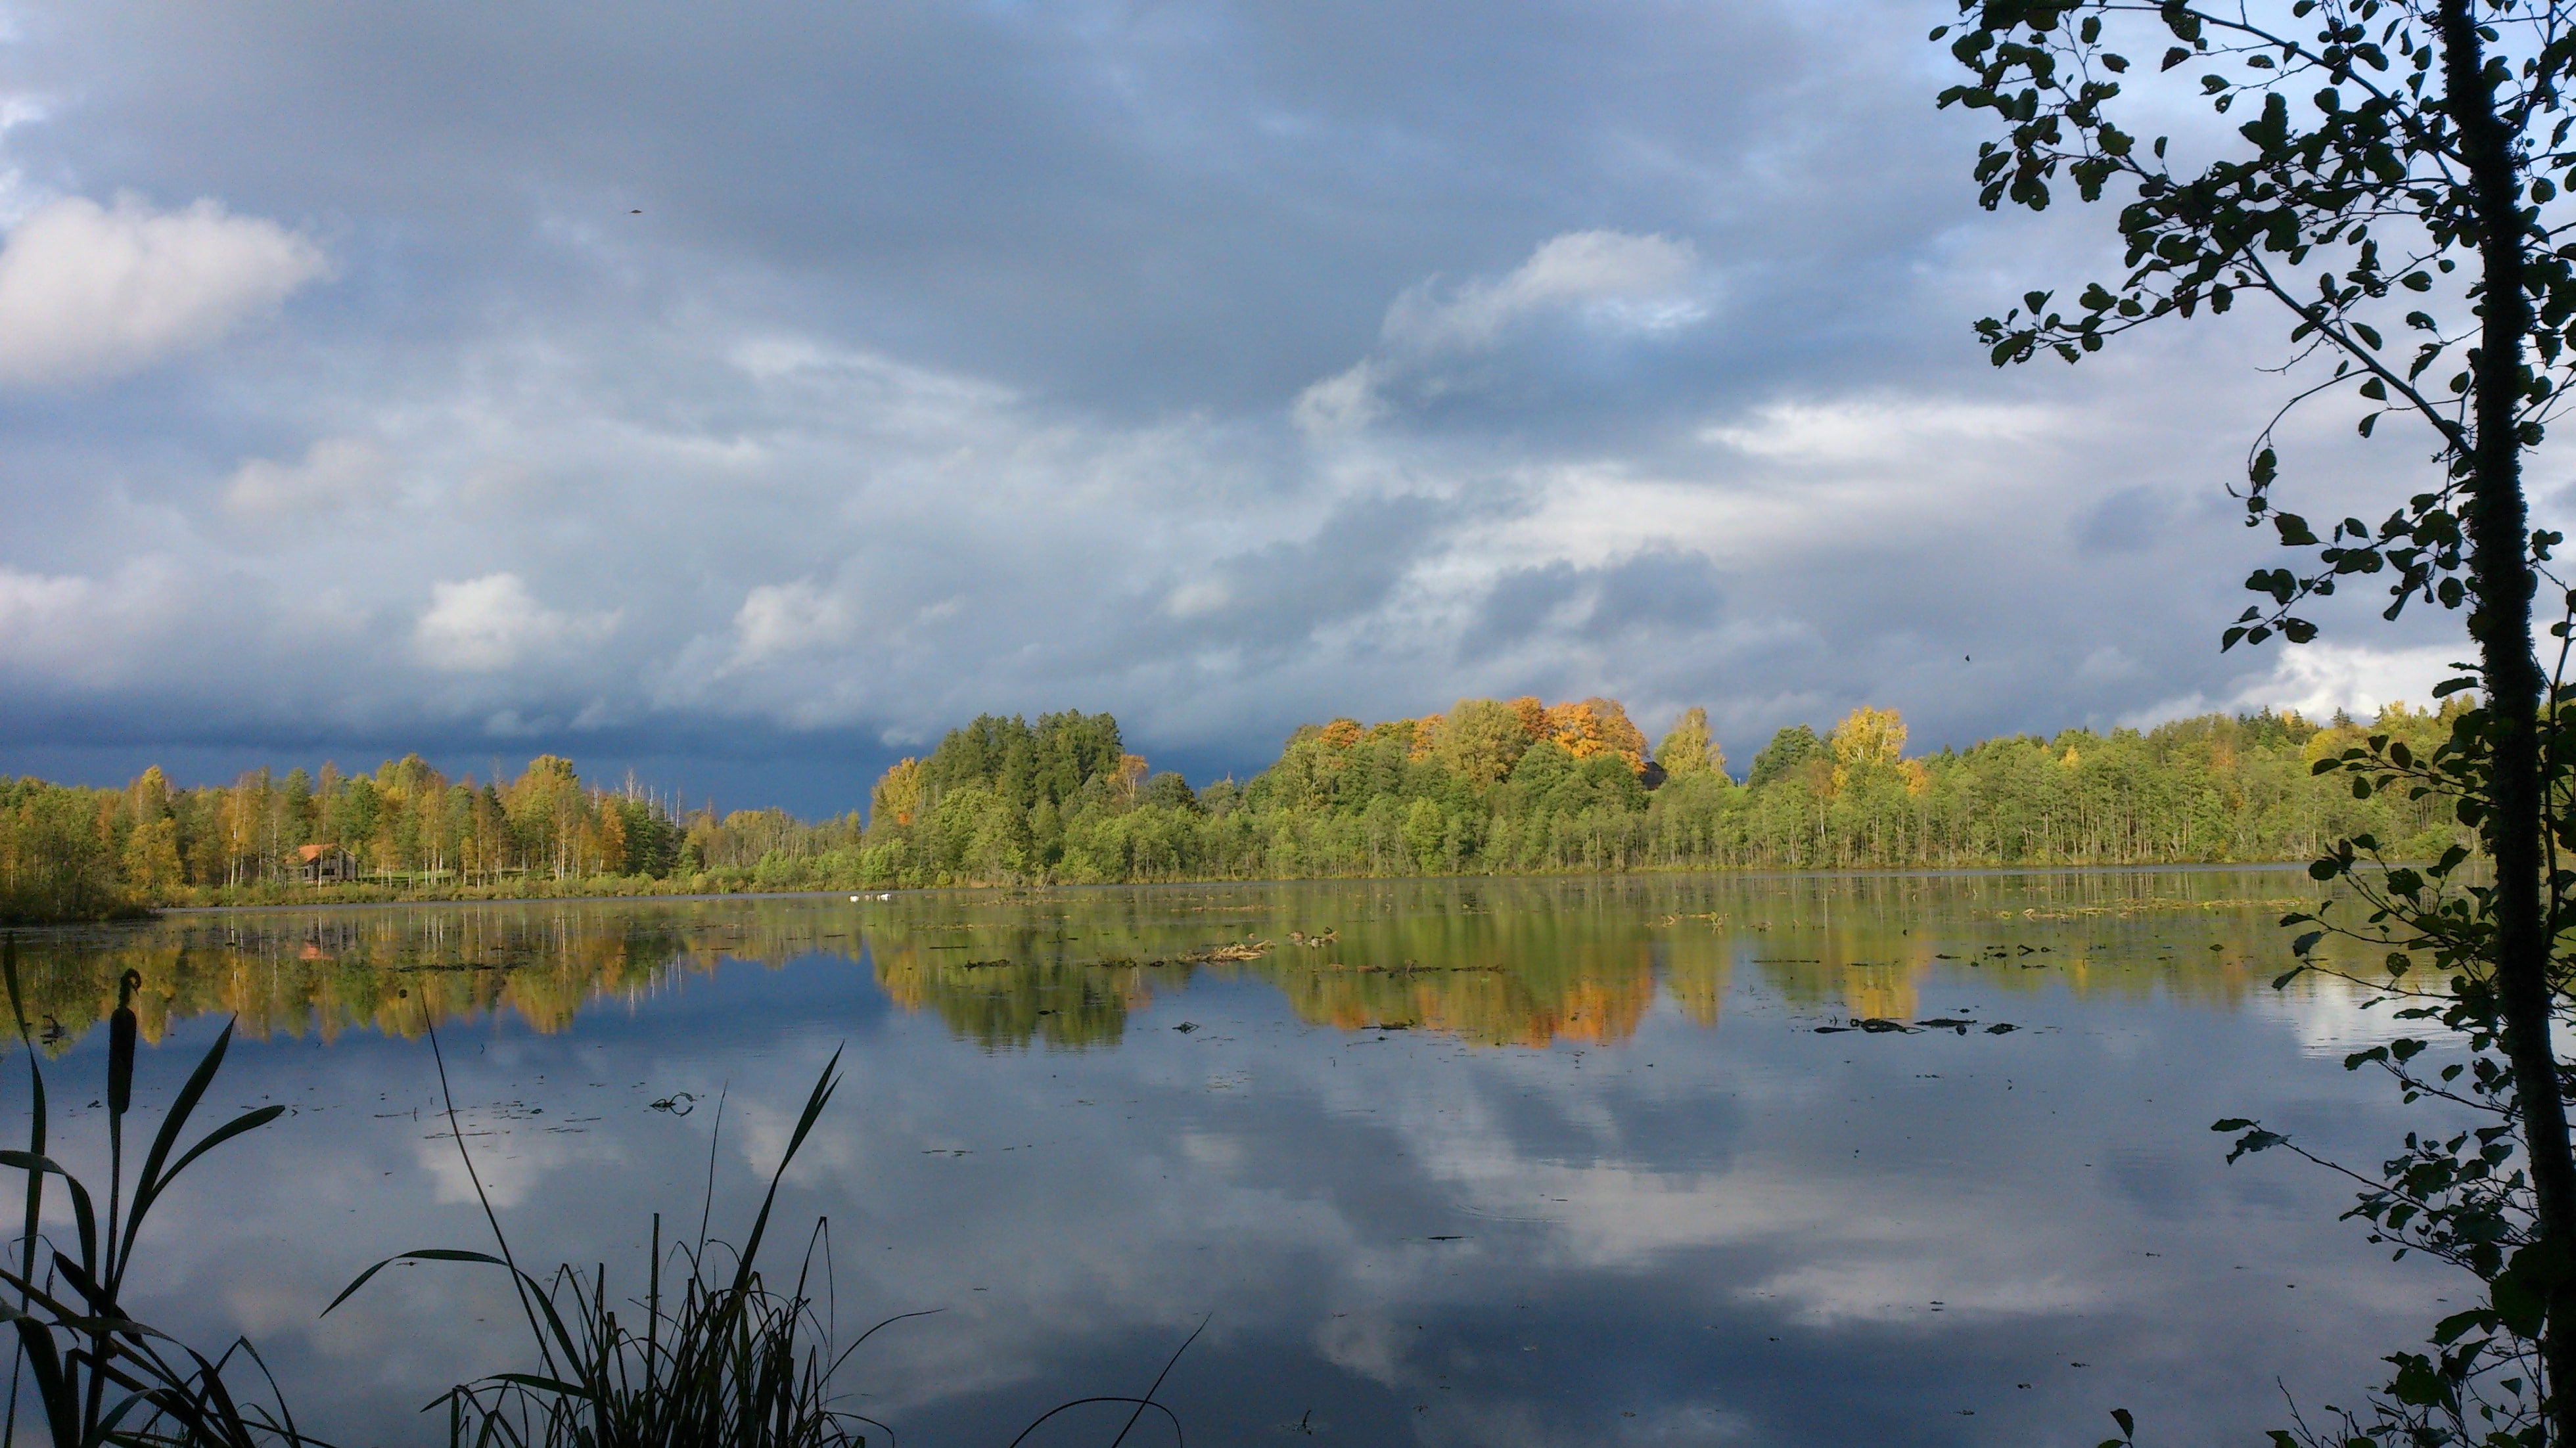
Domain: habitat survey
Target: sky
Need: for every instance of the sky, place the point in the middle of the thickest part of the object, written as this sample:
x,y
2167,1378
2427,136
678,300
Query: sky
x,y
742,396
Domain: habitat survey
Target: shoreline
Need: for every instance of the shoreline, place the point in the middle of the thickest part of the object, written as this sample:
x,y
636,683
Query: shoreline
x,y
1925,872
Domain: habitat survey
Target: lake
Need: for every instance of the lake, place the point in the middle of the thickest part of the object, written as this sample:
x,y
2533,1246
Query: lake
x,y
1541,1162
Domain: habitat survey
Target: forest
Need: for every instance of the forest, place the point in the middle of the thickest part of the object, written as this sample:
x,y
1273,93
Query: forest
x,y
1491,787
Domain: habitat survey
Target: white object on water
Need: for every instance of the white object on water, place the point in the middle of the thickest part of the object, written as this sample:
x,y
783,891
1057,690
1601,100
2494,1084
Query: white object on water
x,y
854,899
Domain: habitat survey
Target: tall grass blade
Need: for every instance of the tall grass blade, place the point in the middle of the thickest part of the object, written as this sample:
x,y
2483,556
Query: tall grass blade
x,y
84,1218
425,1254
35,1147
250,1120
148,1184
1148,1399
824,1086
113,1387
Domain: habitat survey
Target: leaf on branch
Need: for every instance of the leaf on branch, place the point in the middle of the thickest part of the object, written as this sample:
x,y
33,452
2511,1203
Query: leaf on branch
x,y
2254,1141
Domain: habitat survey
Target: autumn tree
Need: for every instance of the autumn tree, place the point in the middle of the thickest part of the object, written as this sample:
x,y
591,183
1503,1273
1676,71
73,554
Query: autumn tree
x,y
897,797
1867,740
1687,749
1597,726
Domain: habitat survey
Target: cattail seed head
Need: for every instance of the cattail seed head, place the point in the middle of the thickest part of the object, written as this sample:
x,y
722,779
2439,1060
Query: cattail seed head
x,y
120,1046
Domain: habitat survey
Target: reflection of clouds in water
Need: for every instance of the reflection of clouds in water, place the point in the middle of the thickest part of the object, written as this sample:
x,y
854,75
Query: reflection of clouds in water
x,y
1897,1286
507,1181
1756,1178
1367,1344
2331,1018
1518,1425
1973,1252
514,1151
1218,1153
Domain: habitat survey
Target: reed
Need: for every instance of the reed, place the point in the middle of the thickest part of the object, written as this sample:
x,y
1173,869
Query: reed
x,y
96,1376
714,1355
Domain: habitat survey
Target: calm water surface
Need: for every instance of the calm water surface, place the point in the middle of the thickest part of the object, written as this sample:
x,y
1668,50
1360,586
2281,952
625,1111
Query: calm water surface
x,y
1512,1163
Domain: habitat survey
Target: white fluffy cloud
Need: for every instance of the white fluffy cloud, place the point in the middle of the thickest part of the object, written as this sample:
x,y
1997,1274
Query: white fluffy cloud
x,y
2320,677
89,292
490,623
785,618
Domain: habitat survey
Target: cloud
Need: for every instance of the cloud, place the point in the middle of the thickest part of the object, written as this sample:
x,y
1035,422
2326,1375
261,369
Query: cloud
x,y
1345,401
2320,677
493,622
30,602
1658,588
98,630
335,473
1222,376
1609,283
90,292
1622,282
1850,431
785,618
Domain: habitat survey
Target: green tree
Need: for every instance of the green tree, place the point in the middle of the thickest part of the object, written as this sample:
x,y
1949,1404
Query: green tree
x,y
2397,169
1788,749
1424,829
1481,740
1171,790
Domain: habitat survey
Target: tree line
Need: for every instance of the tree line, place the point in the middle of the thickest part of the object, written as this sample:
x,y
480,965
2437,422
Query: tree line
x,y
1490,787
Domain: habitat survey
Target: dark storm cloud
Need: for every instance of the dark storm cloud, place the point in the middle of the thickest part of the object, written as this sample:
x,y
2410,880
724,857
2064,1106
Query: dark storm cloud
x,y
666,384
1101,199
1660,590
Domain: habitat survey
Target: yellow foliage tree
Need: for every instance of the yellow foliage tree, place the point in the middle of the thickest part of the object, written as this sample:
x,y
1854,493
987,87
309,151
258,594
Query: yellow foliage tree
x,y
897,796
152,857
1687,748
1867,739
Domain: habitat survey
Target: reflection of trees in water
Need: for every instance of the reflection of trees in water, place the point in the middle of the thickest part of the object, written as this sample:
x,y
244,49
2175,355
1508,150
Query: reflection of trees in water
x,y
1491,962
1008,1001
322,973
1523,962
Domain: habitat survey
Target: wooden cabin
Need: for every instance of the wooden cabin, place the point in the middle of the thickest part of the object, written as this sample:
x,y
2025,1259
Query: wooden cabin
x,y
325,865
